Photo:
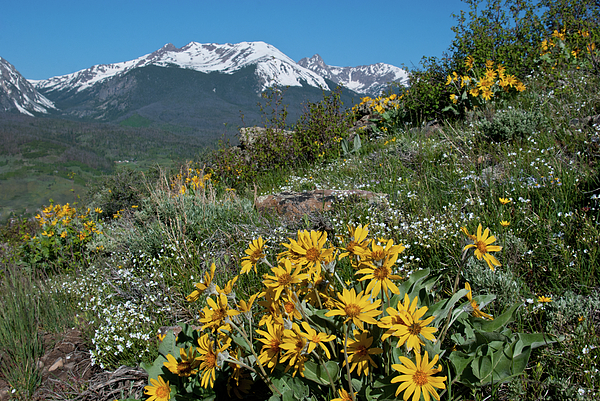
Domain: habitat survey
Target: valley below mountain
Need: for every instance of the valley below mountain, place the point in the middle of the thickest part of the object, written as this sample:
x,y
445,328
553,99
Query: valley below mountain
x,y
169,105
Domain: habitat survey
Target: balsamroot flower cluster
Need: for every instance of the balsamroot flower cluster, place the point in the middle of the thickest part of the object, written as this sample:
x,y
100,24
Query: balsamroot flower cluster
x,y
192,179
65,233
308,323
379,104
481,84
574,49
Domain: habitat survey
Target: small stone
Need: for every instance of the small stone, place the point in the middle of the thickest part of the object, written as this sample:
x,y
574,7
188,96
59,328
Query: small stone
x,y
56,365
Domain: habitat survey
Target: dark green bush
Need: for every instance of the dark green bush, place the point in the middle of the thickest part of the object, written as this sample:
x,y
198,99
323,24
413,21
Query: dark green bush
x,y
316,136
118,192
321,127
427,95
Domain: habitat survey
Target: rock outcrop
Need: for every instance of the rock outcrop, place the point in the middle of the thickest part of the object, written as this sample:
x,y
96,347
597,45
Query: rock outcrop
x,y
294,205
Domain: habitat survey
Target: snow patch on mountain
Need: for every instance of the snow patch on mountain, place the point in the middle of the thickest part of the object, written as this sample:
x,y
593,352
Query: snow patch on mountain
x,y
18,93
364,79
273,67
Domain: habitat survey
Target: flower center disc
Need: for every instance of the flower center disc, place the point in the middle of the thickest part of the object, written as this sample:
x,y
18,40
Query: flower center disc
x,y
414,329
381,273
284,279
163,392
420,378
352,310
312,254
184,368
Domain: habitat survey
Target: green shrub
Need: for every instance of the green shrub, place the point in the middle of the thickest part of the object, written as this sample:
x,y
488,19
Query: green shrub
x,y
315,137
120,191
321,127
427,95
510,125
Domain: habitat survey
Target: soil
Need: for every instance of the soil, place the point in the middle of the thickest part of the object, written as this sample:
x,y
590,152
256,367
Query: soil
x,y
67,373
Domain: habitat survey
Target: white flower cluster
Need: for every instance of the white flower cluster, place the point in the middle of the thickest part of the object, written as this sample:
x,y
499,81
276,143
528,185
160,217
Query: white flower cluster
x,y
122,308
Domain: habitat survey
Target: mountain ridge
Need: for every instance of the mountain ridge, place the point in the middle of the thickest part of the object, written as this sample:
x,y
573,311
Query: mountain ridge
x,y
234,76
364,79
18,93
274,67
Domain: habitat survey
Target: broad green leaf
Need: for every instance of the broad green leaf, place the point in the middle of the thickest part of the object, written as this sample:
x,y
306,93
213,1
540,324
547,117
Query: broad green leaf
x,y
460,360
154,369
316,372
502,320
289,396
282,384
356,384
482,367
533,340
299,389
167,345
357,143
519,361
344,143
441,312
414,278
240,341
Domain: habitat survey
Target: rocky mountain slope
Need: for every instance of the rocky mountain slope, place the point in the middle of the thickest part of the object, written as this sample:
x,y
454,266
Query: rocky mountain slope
x,y
365,79
18,94
272,66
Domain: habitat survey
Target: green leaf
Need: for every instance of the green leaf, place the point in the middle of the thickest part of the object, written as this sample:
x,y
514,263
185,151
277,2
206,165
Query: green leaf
x,y
357,143
316,372
499,321
356,384
281,384
519,361
154,369
299,388
482,367
344,143
460,360
412,281
167,345
441,314
240,341
533,340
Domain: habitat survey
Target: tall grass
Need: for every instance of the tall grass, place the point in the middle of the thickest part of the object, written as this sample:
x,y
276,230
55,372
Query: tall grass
x,y
27,310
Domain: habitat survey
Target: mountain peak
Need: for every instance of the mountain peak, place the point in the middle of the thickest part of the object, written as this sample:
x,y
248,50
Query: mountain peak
x,y
169,47
364,79
273,67
314,62
18,93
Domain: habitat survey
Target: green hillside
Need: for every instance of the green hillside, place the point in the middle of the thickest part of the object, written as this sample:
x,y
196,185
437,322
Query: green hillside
x,y
181,100
45,158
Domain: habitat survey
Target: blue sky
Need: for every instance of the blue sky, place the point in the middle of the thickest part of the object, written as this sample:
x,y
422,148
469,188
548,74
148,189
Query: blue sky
x,y
48,38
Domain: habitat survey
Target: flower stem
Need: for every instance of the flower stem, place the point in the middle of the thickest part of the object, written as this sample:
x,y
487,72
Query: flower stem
x,y
447,322
346,326
264,374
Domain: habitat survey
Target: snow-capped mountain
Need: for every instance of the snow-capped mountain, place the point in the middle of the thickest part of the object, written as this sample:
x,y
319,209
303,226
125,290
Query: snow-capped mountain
x,y
18,93
273,67
364,79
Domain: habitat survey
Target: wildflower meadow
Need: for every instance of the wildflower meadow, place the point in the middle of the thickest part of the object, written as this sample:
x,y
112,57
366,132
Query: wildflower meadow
x,y
475,275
